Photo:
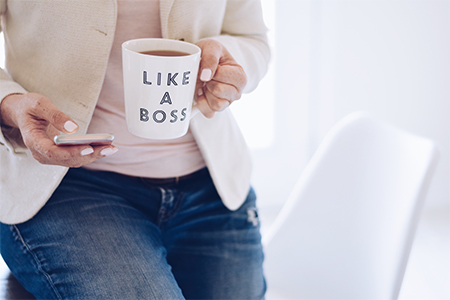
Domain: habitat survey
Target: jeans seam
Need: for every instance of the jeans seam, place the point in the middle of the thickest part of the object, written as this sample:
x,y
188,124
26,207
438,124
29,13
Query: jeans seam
x,y
36,259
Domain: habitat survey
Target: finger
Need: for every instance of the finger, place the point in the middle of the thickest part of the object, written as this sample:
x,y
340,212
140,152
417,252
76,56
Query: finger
x,y
233,75
204,107
214,103
100,151
199,86
70,156
107,151
222,90
43,108
45,151
90,153
48,153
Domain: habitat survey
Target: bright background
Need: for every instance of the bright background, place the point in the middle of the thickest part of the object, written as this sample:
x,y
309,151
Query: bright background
x,y
391,58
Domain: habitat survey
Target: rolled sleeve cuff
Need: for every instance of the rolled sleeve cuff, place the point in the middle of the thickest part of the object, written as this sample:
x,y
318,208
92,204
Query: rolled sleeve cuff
x,y
11,137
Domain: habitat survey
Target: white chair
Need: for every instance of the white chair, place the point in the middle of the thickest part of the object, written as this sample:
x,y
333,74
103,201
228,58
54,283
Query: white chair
x,y
347,228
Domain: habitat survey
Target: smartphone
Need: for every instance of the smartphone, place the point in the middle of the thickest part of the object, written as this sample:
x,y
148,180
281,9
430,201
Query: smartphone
x,y
91,139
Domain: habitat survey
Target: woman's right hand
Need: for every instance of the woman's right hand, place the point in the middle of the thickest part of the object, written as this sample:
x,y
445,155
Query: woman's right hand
x,y
39,120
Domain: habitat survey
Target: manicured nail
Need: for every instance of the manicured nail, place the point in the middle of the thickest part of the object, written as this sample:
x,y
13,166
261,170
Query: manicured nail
x,y
70,126
108,151
87,151
206,75
200,92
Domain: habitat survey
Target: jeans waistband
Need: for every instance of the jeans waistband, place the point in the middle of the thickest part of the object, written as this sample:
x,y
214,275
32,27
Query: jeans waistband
x,y
176,180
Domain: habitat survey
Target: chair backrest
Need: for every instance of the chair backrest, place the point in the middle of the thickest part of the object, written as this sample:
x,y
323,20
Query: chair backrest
x,y
347,228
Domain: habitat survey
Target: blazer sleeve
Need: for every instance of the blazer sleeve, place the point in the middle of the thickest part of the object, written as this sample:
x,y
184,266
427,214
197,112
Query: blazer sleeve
x,y
9,137
244,34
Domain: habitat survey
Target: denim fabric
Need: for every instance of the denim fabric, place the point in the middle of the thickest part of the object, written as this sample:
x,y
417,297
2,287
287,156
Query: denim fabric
x,y
104,235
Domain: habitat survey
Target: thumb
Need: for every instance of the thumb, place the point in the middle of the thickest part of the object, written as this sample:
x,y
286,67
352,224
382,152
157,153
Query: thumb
x,y
61,121
45,109
70,127
211,54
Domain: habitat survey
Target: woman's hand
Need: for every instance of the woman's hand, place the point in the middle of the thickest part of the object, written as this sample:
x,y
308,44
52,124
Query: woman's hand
x,y
39,120
220,81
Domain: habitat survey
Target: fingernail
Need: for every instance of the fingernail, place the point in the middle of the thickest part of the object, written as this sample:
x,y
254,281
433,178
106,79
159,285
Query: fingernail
x,y
108,151
87,151
70,126
206,75
200,92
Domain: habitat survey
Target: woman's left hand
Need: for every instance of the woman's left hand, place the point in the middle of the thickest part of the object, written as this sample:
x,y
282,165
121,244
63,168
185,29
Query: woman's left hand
x,y
220,80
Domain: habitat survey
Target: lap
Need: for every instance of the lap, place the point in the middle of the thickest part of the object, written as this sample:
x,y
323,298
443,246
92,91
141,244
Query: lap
x,y
218,248
96,239
89,244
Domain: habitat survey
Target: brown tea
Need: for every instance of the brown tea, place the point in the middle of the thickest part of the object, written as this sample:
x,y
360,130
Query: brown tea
x,y
165,53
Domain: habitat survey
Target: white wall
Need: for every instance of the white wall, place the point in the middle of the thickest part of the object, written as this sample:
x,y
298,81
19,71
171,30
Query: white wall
x,y
391,58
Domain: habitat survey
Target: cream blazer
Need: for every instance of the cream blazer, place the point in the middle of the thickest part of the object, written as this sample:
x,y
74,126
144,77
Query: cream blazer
x,y
60,49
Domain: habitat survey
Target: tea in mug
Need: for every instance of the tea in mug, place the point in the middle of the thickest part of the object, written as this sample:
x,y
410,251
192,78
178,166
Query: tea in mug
x,y
165,53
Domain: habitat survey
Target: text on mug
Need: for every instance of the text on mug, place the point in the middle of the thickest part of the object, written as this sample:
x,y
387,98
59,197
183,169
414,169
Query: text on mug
x,y
159,116
171,78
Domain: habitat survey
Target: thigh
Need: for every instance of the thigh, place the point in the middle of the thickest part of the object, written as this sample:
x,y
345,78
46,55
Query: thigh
x,y
216,253
88,243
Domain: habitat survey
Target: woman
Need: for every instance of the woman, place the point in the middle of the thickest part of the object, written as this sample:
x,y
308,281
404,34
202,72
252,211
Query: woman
x,y
141,218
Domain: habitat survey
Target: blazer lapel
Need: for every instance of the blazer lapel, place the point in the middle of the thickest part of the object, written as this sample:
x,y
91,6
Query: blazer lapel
x,y
165,6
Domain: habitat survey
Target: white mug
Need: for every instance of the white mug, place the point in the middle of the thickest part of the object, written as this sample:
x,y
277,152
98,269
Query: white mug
x,y
159,88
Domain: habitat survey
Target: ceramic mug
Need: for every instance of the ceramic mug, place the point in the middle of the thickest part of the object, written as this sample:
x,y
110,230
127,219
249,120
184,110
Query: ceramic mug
x,y
159,77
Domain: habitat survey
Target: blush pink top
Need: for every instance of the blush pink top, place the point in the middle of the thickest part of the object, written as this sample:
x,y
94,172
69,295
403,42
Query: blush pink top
x,y
137,156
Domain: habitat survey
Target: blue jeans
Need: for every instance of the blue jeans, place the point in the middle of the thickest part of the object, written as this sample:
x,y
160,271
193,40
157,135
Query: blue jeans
x,y
104,235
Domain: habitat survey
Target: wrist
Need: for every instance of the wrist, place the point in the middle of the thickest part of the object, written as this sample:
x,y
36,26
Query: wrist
x,y
8,109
